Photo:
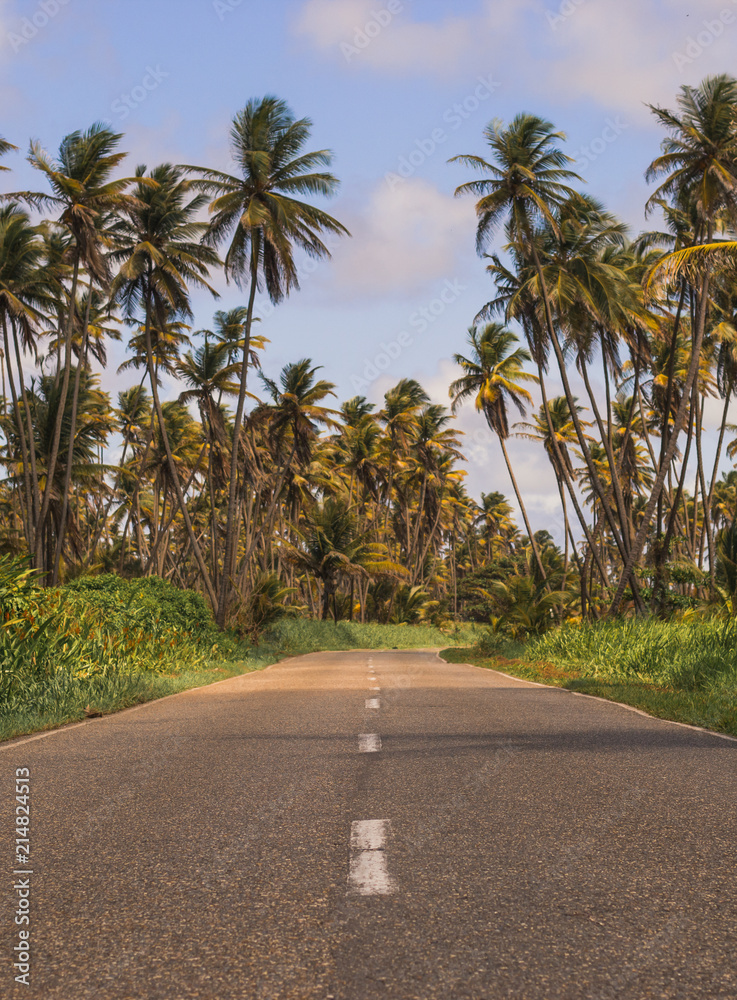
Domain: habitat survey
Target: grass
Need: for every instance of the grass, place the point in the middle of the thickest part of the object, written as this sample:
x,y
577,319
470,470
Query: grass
x,y
295,636
682,671
71,701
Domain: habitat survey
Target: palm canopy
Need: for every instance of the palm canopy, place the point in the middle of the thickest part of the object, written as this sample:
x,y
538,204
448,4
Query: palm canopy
x,y
561,422
5,147
157,242
82,188
493,375
25,289
258,211
699,157
296,399
528,177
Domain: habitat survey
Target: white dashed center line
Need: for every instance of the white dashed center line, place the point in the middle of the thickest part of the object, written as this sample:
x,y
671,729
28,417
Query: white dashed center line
x,y
367,873
372,703
369,743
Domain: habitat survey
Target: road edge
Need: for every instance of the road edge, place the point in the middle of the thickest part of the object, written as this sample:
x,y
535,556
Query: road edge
x,y
605,701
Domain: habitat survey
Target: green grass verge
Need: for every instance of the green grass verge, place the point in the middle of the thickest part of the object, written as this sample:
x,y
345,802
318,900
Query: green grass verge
x,y
295,636
73,699
712,708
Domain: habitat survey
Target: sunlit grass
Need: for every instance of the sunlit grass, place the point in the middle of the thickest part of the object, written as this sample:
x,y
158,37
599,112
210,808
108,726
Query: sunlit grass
x,y
683,671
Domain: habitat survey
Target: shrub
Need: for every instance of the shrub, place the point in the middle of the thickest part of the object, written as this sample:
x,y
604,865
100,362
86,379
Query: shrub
x,y
166,604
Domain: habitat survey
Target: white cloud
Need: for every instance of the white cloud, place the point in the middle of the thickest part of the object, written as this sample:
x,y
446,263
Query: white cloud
x,y
409,237
635,53
620,54
382,36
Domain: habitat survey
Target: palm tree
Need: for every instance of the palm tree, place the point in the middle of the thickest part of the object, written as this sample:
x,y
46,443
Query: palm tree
x,y
699,165
332,546
155,242
559,418
5,147
82,188
25,291
402,403
263,221
210,376
493,375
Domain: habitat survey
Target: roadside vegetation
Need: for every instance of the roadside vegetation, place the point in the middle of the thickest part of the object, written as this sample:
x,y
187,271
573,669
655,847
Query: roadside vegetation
x,y
685,671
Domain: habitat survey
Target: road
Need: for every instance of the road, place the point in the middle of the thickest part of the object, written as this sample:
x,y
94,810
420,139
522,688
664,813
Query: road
x,y
375,825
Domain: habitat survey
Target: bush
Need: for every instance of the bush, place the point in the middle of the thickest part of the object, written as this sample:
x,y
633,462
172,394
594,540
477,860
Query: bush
x,y
152,598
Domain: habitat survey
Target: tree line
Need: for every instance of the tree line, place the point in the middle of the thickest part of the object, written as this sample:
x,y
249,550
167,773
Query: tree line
x,y
266,492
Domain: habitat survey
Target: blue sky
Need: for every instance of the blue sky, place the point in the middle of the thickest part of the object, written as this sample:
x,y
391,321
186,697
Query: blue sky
x,y
392,86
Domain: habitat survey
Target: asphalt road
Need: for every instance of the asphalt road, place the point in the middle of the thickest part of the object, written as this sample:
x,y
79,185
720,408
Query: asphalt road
x,y
250,840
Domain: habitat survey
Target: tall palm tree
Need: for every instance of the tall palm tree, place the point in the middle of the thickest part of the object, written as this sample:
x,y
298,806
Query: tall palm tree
x,y
83,190
210,375
258,213
25,293
402,403
699,164
155,243
565,433
493,376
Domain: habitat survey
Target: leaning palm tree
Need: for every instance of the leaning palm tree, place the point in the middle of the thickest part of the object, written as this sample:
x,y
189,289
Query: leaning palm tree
x,y
698,164
493,376
155,243
260,217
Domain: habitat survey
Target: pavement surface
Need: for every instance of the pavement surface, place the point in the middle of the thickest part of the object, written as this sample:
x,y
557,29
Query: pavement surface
x,y
374,825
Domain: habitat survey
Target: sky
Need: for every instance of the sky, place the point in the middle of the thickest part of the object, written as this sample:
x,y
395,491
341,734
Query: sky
x,y
394,88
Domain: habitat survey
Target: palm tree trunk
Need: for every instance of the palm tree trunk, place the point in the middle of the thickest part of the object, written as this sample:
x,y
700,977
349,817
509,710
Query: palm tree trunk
x,y
170,458
54,454
563,468
642,534
28,513
72,436
523,510
232,525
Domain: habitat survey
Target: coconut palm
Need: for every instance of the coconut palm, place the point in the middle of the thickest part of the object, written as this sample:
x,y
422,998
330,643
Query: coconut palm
x,y
156,245
5,147
493,375
332,546
700,169
259,214
84,192
559,418
26,291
